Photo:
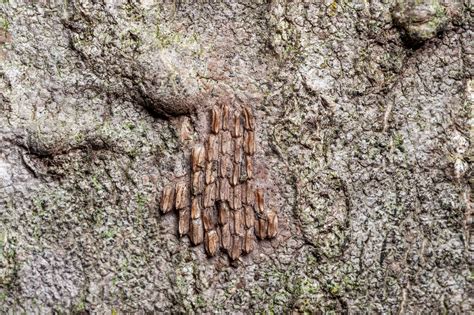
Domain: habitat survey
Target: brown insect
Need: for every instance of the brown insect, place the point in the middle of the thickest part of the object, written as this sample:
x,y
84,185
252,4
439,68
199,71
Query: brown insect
x,y
272,229
249,240
216,122
208,219
211,242
226,238
226,142
236,250
197,183
167,199
249,120
196,233
224,189
261,227
249,167
225,117
197,157
211,172
235,179
260,200
196,208
248,196
223,213
238,142
237,198
181,196
212,147
236,130
183,222
249,142
249,216
238,222
209,195
225,167
221,207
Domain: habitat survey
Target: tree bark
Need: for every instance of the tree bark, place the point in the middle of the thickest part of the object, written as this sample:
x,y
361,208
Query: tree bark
x,y
360,140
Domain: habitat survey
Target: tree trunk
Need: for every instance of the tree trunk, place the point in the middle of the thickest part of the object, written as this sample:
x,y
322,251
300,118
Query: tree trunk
x,y
335,172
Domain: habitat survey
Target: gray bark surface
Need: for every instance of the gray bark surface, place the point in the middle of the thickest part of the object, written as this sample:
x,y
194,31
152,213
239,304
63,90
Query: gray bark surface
x,y
364,124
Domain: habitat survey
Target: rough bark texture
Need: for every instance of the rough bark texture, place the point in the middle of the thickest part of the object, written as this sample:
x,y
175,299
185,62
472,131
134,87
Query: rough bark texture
x,y
363,143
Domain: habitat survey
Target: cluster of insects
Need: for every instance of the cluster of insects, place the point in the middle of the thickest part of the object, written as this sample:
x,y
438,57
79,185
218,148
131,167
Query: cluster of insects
x,y
220,205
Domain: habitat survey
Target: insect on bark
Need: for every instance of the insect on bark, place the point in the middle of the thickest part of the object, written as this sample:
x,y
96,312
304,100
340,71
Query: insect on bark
x,y
220,206
249,217
249,142
249,120
235,174
197,157
261,226
209,195
224,189
237,198
197,183
272,229
238,222
248,196
213,148
223,209
260,200
181,196
208,219
236,129
183,222
249,241
167,199
216,121
249,166
196,233
211,172
226,237
226,142
236,250
225,117
211,242
225,167
238,142
196,208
